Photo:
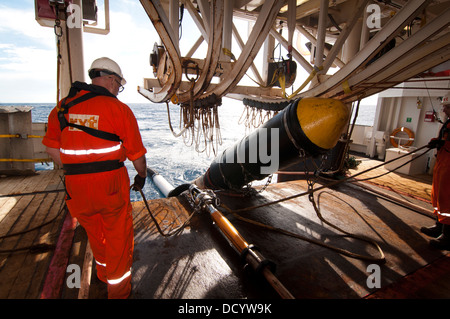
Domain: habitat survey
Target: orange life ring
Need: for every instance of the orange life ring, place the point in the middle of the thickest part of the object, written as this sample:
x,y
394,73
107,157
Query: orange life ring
x,y
402,129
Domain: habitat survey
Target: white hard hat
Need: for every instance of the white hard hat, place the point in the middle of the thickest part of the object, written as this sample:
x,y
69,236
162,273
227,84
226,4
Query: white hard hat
x,y
108,66
446,99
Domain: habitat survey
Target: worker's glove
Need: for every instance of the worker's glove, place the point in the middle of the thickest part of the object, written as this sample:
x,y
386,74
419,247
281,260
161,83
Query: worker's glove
x,y
138,183
436,143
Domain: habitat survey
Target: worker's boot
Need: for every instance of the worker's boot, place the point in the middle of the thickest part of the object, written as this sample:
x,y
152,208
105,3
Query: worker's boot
x,y
433,231
443,241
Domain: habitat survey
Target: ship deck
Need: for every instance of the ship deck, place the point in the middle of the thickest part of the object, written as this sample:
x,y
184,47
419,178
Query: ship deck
x,y
31,216
199,263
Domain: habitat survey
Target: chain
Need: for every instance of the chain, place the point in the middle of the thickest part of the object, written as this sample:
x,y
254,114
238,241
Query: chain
x,y
58,33
249,190
57,28
309,181
318,169
269,180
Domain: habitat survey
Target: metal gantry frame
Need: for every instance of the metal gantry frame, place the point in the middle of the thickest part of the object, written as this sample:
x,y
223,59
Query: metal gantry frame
x,y
358,69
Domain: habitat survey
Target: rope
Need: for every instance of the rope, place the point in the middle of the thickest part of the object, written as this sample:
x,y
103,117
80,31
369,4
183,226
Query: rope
x,y
315,241
310,192
34,228
198,124
189,124
407,162
342,251
328,185
350,254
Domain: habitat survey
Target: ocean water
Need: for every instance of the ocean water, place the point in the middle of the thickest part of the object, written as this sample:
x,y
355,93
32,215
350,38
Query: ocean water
x,y
169,155
366,114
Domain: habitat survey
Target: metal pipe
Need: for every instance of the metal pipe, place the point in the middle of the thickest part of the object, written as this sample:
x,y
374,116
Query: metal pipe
x,y
388,32
323,16
292,7
227,28
343,41
160,182
174,20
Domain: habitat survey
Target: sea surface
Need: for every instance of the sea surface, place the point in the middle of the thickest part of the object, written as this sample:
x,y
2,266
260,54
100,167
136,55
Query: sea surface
x,y
169,155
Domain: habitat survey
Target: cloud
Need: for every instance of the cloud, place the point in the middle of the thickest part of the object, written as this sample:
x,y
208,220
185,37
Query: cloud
x,y
27,57
27,48
129,43
21,23
26,61
28,52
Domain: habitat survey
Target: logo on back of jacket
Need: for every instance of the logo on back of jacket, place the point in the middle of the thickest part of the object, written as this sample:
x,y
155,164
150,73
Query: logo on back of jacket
x,y
83,119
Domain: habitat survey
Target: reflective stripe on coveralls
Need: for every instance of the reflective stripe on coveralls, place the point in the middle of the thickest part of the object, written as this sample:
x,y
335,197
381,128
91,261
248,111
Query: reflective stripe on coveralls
x,y
118,281
437,211
91,151
115,281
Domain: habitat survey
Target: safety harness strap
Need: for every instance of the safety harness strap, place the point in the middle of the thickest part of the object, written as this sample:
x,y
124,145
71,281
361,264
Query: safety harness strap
x,y
97,133
64,109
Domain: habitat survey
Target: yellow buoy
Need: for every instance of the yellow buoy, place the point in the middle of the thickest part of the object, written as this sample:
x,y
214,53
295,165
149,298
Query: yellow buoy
x,y
322,120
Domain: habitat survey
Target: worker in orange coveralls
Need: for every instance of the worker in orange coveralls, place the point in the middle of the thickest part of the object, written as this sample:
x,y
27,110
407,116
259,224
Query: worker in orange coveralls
x,y
440,192
90,134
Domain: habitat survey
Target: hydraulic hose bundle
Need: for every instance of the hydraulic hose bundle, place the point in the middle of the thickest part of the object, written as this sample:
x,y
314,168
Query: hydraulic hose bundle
x,y
205,201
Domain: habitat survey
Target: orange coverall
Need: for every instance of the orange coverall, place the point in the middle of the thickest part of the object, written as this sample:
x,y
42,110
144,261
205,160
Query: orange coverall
x,y
101,201
440,192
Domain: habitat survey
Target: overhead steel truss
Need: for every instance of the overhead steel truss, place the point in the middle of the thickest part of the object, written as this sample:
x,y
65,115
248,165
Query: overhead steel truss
x,y
366,71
